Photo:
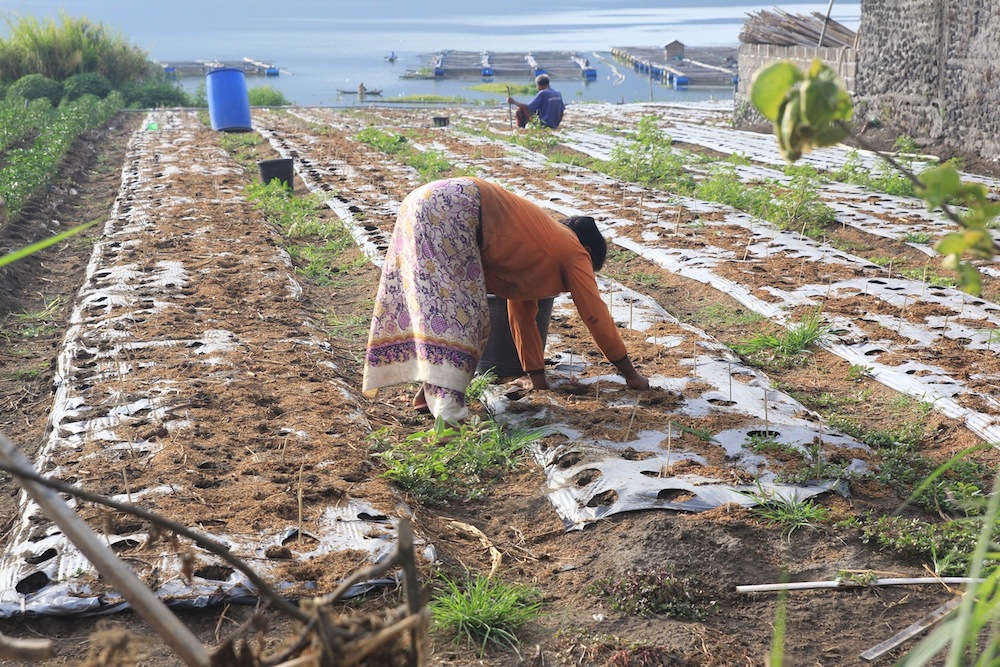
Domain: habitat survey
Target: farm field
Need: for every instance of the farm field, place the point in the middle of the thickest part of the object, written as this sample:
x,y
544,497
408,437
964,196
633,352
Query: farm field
x,y
196,356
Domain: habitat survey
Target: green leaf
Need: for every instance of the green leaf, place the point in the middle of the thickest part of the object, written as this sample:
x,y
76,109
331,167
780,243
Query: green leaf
x,y
940,184
969,278
770,87
789,131
45,243
830,135
952,243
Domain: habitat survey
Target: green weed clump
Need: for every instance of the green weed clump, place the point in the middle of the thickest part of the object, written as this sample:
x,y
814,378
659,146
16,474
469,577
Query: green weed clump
x,y
380,139
484,611
656,592
320,254
885,178
947,546
450,462
430,164
787,348
38,323
791,513
794,207
480,383
723,186
298,217
649,160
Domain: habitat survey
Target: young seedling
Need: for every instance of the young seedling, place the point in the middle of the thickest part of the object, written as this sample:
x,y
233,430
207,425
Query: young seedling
x,y
730,381
670,440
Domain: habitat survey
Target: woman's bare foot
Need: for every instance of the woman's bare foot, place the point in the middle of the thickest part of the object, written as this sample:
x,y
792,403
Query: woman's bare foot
x,y
420,402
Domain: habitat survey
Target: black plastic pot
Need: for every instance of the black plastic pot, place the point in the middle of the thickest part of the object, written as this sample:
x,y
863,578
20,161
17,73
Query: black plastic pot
x,y
281,169
500,353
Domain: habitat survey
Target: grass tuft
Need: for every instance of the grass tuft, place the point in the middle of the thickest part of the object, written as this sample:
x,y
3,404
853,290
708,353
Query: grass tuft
x,y
485,611
453,462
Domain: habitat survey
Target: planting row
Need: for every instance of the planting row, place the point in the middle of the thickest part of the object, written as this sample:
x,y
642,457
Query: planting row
x,y
189,383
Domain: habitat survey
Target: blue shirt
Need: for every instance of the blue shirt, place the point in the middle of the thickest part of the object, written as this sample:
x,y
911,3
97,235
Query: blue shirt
x,y
548,104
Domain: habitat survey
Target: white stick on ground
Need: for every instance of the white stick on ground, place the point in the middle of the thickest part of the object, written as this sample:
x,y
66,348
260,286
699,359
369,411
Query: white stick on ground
x,y
807,585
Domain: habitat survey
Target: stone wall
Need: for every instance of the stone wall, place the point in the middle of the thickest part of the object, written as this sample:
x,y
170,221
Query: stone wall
x,y
929,69
754,56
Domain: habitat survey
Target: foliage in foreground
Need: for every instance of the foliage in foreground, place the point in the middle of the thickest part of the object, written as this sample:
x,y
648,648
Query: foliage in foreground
x,y
811,109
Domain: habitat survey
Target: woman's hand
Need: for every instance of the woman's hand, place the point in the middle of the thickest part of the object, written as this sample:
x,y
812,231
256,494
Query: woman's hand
x,y
632,377
637,381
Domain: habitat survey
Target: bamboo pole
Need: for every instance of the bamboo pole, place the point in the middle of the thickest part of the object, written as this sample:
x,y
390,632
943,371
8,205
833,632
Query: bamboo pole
x,y
142,600
907,633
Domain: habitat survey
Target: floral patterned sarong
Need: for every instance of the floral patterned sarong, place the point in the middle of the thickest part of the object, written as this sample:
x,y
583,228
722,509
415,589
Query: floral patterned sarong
x,y
431,319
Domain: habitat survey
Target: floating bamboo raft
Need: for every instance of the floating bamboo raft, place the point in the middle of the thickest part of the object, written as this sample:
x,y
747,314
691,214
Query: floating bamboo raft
x,y
785,29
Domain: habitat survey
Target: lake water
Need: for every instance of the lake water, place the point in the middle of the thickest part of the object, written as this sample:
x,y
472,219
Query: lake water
x,y
322,46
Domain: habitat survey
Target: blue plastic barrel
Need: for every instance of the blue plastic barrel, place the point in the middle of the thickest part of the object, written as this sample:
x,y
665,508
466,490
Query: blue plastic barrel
x,y
228,100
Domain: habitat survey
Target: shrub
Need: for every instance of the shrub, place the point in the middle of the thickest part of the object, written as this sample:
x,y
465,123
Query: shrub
x,y
88,83
199,98
266,96
36,86
154,95
70,46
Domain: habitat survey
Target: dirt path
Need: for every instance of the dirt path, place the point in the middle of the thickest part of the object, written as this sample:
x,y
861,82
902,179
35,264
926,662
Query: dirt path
x,y
197,371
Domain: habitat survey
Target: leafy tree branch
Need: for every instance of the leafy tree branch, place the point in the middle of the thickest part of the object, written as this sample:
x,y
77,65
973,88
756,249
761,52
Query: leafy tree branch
x,y
811,110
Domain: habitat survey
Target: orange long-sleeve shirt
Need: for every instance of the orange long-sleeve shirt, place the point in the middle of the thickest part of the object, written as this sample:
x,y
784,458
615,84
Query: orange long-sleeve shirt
x,y
528,255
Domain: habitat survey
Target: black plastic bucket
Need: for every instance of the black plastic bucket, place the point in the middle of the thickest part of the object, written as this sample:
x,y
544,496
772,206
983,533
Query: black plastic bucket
x,y
500,353
281,169
228,100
